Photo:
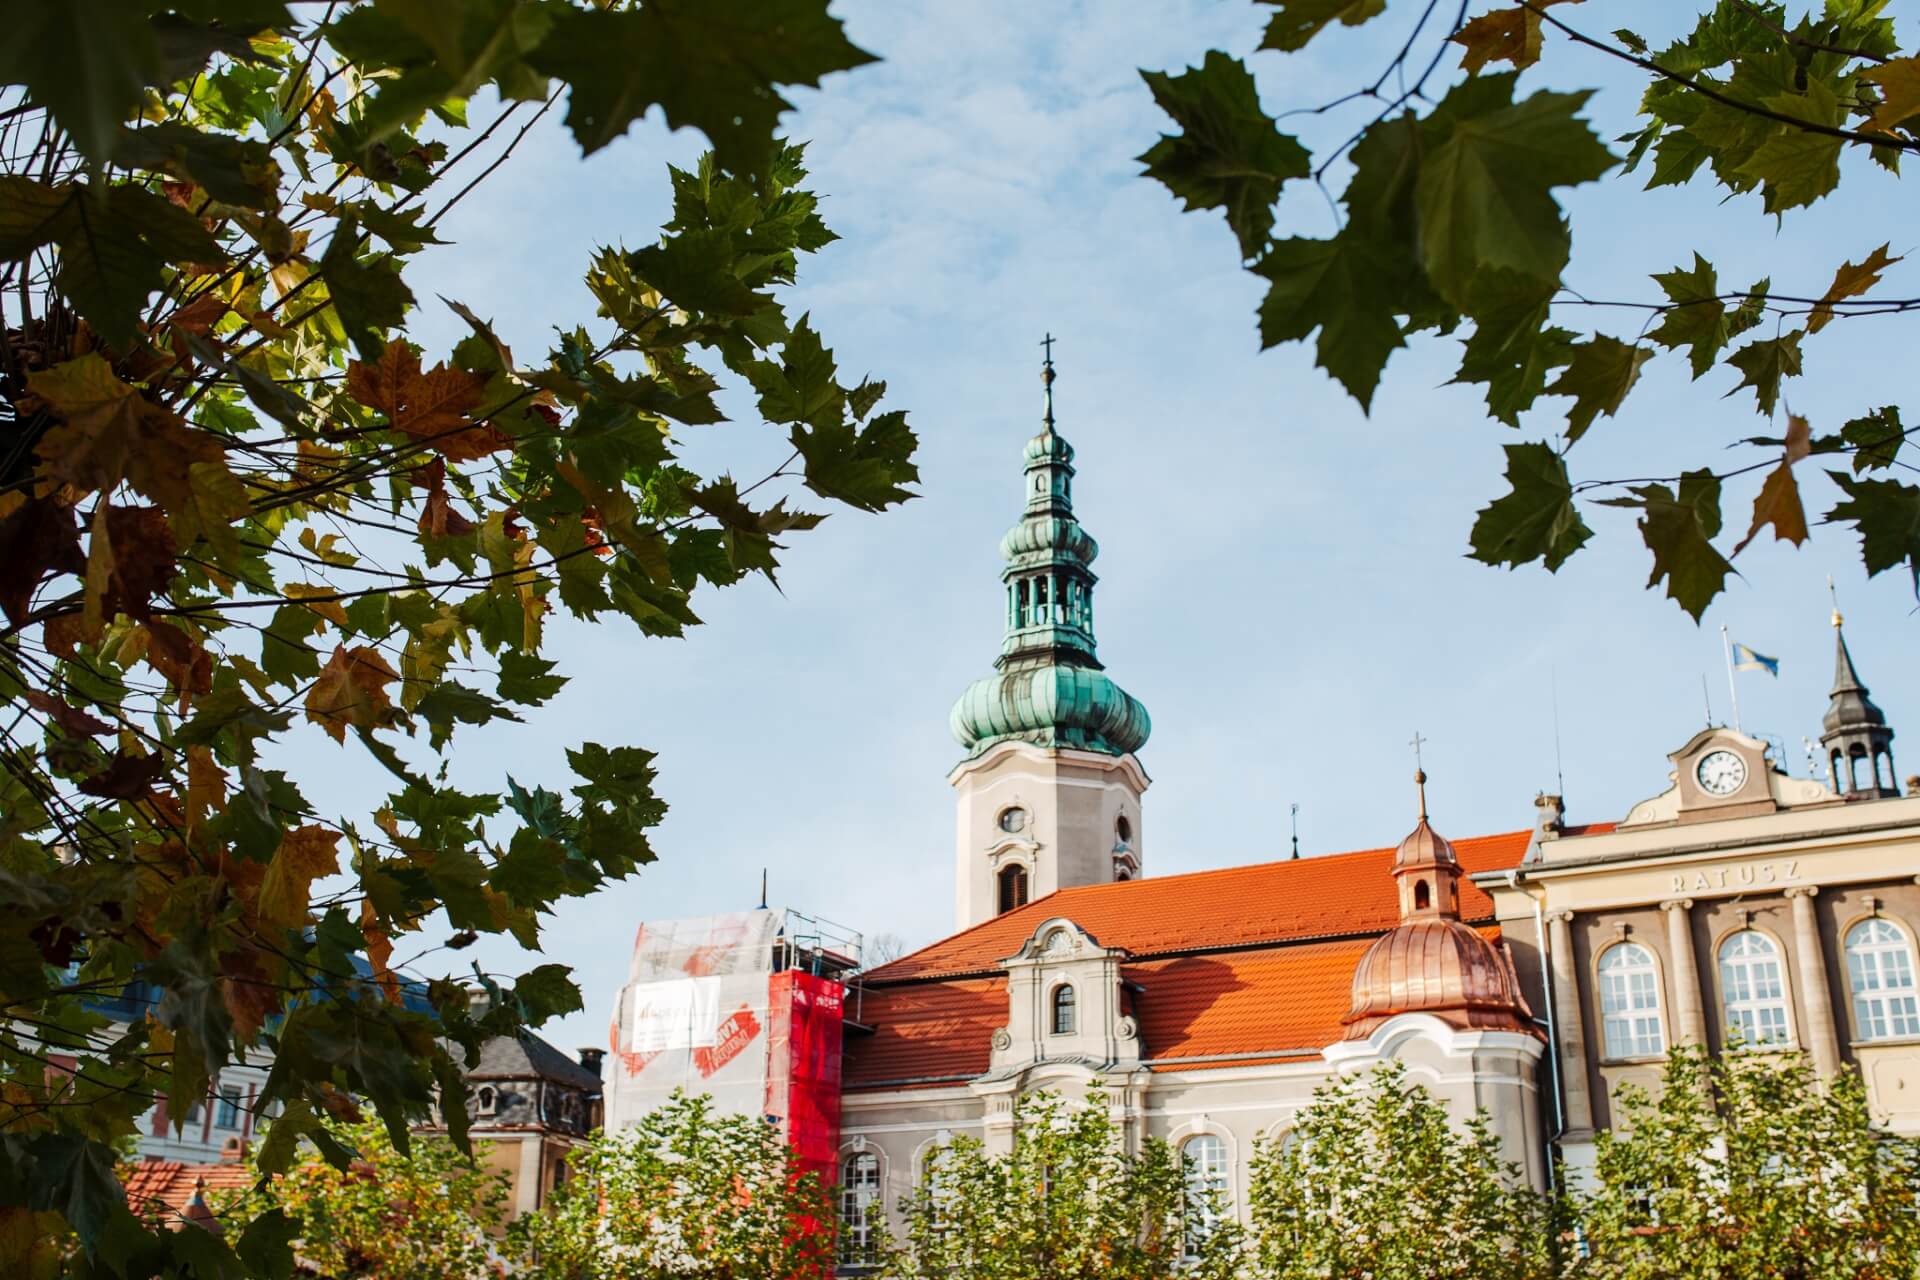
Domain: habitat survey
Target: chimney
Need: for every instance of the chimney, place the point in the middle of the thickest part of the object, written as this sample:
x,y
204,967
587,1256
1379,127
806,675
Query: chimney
x,y
592,1058
1549,816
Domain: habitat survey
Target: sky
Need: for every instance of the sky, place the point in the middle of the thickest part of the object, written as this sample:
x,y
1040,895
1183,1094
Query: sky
x,y
1283,578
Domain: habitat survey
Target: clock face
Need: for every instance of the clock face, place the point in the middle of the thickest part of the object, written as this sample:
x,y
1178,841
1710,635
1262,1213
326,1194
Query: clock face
x,y
1721,773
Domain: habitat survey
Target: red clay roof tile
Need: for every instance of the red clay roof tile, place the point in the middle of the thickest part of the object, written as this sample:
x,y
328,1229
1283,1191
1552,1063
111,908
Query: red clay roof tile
x,y
1244,961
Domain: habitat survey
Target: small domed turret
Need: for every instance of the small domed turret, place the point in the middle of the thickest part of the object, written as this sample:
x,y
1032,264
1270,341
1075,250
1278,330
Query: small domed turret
x,y
1431,962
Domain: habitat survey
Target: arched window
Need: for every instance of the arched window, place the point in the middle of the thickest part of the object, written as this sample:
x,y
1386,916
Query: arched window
x,y
1880,972
859,1207
1063,1010
1013,887
1205,1158
483,1101
1753,989
1422,896
1630,1002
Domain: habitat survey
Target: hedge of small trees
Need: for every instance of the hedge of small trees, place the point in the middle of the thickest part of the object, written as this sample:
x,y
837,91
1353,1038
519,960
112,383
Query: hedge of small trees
x,y
1743,1167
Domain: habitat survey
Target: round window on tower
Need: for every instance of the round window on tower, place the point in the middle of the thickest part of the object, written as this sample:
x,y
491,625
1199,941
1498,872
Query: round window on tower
x,y
1013,821
1123,831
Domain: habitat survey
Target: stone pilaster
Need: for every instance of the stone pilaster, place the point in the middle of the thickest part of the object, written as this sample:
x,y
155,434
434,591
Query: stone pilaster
x,y
1684,970
1816,999
1570,1028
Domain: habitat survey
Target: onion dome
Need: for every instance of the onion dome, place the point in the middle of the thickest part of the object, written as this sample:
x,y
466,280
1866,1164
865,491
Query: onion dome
x,y
1431,962
1048,688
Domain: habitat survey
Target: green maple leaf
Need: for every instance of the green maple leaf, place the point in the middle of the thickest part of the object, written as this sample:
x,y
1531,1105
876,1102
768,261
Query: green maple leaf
x,y
865,466
1797,166
1345,288
1537,520
1299,21
1679,530
1698,319
1886,515
1485,188
1512,350
1229,155
1763,363
1876,439
709,67
802,387
1599,376
88,64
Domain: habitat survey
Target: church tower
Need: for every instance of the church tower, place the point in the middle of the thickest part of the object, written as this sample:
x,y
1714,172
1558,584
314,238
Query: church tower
x,y
1049,794
1855,734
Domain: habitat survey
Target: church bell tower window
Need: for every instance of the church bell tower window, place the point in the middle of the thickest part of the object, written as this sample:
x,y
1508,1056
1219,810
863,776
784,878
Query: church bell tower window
x,y
1013,888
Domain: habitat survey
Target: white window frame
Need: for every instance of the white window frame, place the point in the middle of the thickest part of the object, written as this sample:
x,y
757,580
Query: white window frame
x,y
860,1184
1748,993
1208,1165
1880,980
1632,1021
226,1111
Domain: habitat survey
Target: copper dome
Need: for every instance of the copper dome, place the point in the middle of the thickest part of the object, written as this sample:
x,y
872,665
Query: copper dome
x,y
1439,966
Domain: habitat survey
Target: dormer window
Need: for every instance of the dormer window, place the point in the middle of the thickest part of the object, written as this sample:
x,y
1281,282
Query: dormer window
x,y
483,1101
1064,1003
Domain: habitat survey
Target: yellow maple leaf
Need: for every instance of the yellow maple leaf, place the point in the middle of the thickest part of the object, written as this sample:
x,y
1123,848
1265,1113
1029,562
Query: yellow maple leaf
x,y
109,432
1851,280
305,854
1503,35
352,690
1899,82
317,599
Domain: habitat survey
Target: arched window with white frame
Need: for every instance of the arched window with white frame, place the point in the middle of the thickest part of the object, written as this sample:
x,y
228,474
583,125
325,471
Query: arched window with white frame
x,y
1208,1186
859,1208
1753,989
1630,1002
1880,975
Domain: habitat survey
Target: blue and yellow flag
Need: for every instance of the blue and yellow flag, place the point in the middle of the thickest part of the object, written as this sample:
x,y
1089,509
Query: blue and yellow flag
x,y
1745,659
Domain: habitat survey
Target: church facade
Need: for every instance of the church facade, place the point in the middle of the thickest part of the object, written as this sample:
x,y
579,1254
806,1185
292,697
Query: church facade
x,y
1525,973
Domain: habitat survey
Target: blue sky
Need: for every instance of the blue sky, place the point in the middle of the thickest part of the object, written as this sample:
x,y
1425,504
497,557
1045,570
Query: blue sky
x,y
1282,578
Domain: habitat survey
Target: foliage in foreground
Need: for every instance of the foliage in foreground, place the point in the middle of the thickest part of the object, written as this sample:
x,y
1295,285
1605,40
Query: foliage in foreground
x,y
427,1213
1376,1179
1450,223
1068,1201
1746,1166
684,1195
247,522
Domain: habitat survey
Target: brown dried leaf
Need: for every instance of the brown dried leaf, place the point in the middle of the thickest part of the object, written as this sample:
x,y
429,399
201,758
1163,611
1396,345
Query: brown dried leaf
x,y
352,690
305,854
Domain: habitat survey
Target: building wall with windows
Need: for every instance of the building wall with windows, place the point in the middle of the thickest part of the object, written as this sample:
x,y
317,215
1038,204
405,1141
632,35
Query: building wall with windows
x,y
1781,914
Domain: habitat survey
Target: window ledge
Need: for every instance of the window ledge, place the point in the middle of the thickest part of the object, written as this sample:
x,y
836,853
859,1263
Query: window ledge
x,y
1640,1061
1885,1042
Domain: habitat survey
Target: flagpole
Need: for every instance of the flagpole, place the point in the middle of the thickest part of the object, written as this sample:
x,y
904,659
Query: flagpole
x,y
1733,690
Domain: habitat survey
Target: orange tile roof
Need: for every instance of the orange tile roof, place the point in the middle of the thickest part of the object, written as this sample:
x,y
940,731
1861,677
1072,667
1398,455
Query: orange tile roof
x,y
162,1188
1338,895
1253,963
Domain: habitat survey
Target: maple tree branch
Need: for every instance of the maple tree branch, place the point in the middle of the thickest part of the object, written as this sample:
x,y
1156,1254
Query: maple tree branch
x,y
1706,90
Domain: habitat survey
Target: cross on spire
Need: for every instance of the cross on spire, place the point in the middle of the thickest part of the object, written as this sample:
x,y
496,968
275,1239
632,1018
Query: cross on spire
x,y
1419,770
1046,380
1834,596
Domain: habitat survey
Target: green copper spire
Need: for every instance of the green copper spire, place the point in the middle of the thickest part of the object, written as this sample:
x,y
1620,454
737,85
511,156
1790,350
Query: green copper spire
x,y
1049,689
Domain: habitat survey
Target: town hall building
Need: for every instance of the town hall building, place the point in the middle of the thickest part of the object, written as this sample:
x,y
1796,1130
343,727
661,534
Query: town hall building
x,y
1526,973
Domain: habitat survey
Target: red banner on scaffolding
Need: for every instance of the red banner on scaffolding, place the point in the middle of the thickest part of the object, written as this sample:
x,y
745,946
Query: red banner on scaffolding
x,y
803,1066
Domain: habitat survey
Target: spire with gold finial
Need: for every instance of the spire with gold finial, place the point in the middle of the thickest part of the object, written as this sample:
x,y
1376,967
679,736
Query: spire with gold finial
x,y
1854,733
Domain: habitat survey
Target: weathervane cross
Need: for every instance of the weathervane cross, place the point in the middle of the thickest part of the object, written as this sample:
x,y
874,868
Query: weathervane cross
x,y
1416,744
1047,342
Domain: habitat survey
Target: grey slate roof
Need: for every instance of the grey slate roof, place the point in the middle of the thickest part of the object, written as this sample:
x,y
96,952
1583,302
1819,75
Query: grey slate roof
x,y
527,1056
